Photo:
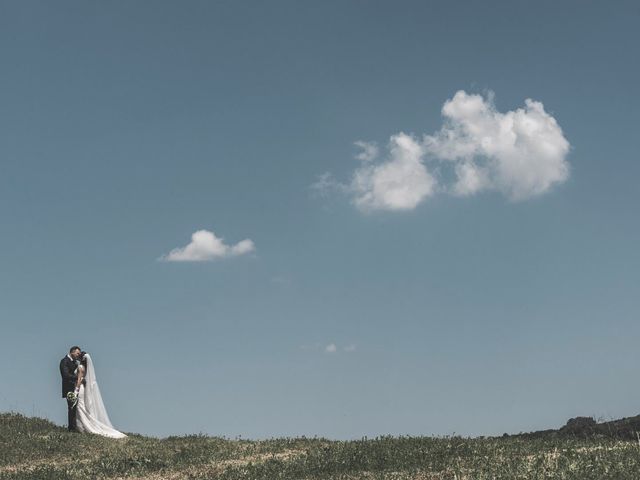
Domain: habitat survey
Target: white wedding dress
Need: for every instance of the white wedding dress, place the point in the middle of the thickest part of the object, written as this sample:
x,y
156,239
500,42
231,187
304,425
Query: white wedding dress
x,y
91,414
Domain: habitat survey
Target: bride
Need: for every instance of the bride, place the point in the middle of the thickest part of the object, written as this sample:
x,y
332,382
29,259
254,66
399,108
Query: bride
x,y
91,415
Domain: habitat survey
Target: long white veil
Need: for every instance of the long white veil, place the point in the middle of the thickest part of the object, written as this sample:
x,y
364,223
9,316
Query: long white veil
x,y
92,398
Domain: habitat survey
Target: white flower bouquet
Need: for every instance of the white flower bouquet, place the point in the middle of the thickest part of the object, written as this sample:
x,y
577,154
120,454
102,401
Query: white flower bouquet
x,y
73,398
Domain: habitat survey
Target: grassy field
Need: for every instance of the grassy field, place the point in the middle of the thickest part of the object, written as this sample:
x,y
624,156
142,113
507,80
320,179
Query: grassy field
x,y
33,448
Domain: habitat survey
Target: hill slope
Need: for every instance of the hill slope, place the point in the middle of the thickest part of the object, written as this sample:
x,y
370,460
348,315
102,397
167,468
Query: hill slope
x,y
34,448
586,427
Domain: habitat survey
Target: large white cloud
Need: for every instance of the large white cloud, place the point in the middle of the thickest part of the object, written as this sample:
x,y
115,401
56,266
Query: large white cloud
x,y
206,246
399,183
521,153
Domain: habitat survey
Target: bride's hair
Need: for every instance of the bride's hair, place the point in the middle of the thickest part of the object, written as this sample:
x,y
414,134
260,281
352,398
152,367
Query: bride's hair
x,y
83,360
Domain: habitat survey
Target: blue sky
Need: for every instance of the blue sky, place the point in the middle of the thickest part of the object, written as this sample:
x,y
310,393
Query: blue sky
x,y
400,297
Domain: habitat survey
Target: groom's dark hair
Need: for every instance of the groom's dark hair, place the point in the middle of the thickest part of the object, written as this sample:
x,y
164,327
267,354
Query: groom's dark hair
x,y
75,347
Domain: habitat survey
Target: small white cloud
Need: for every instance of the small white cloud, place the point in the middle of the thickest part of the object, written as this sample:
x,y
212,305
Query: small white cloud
x,y
331,348
369,151
350,348
400,183
205,246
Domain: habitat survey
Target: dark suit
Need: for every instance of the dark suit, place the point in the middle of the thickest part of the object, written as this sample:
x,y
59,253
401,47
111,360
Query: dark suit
x,y
67,369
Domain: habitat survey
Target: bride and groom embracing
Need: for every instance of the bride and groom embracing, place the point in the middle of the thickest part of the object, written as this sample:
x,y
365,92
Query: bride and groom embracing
x,y
84,403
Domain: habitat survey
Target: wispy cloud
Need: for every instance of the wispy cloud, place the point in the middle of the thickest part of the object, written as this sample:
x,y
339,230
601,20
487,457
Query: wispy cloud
x,y
369,151
331,348
521,153
206,246
326,185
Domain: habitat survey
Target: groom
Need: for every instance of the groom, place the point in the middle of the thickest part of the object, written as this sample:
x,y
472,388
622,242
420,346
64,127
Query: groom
x,y
68,366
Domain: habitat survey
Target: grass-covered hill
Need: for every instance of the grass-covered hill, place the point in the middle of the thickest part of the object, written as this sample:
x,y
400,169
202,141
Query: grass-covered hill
x,y
34,448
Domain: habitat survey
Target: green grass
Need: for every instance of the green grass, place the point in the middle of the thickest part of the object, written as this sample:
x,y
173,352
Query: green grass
x,y
33,448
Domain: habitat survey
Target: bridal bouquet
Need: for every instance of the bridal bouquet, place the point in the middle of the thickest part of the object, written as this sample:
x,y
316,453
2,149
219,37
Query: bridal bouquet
x,y
73,398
